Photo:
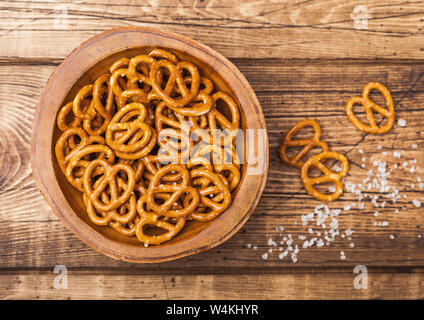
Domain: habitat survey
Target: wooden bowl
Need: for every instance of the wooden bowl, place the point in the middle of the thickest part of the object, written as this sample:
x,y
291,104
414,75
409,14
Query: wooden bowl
x,y
83,66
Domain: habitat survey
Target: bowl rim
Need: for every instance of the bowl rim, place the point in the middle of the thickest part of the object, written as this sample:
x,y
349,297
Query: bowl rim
x,y
51,190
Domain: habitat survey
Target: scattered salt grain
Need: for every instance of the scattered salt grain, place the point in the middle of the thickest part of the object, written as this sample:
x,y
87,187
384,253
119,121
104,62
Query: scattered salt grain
x,y
379,147
283,255
265,256
347,207
392,236
361,151
249,245
414,146
342,255
402,123
397,154
352,245
416,203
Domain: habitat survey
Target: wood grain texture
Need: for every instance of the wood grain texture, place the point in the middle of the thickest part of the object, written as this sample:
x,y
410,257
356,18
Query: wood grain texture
x,y
35,238
303,59
248,29
305,284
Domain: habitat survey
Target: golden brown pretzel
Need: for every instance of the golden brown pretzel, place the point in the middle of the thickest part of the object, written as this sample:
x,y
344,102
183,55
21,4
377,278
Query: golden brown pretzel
x,y
369,106
217,120
78,160
109,179
175,76
148,218
66,148
82,102
62,118
123,214
130,139
328,175
307,144
176,189
216,189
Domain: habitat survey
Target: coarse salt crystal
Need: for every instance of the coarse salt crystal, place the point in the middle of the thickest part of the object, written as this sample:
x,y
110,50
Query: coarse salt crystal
x,y
347,207
414,146
392,236
265,256
379,147
397,154
361,151
416,203
402,123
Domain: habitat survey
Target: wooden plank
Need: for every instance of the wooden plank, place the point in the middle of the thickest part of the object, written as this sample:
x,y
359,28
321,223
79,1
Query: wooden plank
x,y
291,285
251,29
288,91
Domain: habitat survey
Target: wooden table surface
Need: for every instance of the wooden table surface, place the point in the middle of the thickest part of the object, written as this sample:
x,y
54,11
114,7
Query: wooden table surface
x,y
304,59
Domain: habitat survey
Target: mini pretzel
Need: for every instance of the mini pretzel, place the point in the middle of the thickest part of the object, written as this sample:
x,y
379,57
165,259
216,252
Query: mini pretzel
x,y
369,106
148,218
109,179
62,118
64,151
329,176
176,189
130,139
221,197
124,214
78,161
217,120
175,76
82,103
307,144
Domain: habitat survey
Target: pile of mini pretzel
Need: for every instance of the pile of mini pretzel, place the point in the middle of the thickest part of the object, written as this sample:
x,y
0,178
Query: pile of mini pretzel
x,y
318,161
133,180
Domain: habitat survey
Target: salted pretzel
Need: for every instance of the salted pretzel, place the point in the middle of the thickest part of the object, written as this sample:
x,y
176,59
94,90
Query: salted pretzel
x,y
175,76
131,139
328,175
176,189
217,120
369,107
149,218
62,118
82,103
64,150
307,144
216,189
123,214
108,179
79,161
150,145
